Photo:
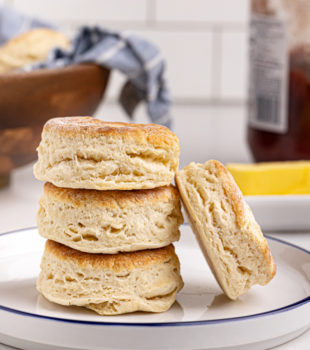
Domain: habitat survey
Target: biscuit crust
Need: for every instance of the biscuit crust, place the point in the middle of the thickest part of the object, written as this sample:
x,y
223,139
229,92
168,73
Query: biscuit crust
x,y
141,133
114,262
113,198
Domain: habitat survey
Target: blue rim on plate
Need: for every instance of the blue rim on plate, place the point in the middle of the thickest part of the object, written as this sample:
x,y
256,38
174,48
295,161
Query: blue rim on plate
x,y
165,324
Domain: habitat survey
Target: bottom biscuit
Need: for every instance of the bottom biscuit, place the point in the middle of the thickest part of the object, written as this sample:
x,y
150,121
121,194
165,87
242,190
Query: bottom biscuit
x,y
147,280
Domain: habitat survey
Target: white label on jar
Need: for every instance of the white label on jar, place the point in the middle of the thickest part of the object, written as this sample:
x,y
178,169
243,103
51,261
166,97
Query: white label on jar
x,y
268,74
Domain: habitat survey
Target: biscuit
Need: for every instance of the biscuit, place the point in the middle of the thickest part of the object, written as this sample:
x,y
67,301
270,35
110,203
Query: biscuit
x,y
83,152
230,238
147,280
29,48
110,221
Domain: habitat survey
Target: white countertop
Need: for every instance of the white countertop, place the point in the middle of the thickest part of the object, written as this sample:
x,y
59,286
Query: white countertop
x,y
204,133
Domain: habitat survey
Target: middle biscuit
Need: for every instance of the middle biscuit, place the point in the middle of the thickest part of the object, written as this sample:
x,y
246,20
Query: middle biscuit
x,y
110,221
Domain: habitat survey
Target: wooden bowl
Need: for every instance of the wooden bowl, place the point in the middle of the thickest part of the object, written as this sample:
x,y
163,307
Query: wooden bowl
x,y
28,100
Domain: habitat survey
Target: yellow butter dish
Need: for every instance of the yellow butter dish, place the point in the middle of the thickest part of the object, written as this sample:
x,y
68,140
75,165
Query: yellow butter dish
x,y
273,178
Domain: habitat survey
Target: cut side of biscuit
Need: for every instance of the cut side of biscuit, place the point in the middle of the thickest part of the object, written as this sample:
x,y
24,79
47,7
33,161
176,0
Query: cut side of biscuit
x,y
110,284
84,152
226,230
110,221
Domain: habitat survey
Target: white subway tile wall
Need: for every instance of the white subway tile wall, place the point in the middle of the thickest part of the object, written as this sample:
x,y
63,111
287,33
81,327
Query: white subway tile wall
x,y
204,41
210,11
189,61
234,65
85,10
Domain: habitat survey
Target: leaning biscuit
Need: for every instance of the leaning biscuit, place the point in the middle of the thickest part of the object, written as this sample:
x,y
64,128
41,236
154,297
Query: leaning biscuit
x,y
110,284
83,152
29,48
230,238
110,221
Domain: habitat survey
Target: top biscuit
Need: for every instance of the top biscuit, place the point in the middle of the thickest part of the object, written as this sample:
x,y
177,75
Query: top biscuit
x,y
87,153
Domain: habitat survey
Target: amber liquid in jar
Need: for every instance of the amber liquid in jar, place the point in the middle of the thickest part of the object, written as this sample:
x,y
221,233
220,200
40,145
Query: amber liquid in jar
x,y
294,142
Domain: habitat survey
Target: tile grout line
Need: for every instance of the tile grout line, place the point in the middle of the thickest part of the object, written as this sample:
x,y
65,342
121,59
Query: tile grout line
x,y
183,101
152,24
216,63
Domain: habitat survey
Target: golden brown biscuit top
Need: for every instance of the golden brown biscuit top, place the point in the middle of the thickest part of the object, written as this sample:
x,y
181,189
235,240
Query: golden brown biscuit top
x,y
113,198
115,262
145,133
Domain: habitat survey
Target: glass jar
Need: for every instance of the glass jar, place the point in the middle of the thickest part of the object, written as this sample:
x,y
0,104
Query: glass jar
x,y
279,103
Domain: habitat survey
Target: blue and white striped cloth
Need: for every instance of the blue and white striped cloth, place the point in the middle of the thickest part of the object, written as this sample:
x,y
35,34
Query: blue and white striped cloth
x,y
139,60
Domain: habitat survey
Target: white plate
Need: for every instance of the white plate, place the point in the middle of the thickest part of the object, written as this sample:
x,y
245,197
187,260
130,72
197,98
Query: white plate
x,y
281,213
202,318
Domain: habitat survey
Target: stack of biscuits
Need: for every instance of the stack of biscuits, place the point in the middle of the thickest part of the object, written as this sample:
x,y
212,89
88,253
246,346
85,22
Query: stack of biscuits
x,y
110,215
